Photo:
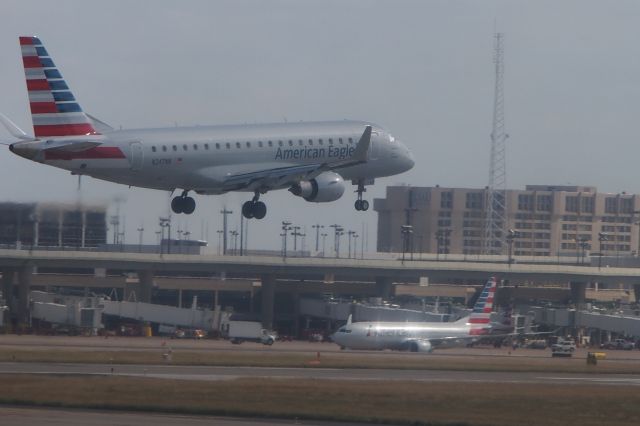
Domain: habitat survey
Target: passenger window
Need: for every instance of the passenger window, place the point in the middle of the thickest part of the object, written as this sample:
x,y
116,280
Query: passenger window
x,y
300,142
228,145
164,148
260,144
238,145
206,146
153,148
350,140
320,141
175,148
184,147
290,143
330,141
340,140
310,142
270,143
248,144
279,143
195,147
217,145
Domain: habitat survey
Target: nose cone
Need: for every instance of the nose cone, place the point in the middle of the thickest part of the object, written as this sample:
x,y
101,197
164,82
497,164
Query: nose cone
x,y
28,150
405,159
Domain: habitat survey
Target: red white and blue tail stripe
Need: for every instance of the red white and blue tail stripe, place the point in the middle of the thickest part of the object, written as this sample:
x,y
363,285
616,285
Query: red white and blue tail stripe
x,y
481,315
54,109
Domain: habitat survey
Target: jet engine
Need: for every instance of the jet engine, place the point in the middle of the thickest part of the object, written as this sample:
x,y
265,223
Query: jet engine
x,y
420,346
327,186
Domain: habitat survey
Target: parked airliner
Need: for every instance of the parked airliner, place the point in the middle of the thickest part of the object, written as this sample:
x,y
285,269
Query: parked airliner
x,y
311,159
420,336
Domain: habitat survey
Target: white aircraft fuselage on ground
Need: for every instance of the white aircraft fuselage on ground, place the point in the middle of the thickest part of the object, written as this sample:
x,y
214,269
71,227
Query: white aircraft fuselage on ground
x,y
420,336
311,159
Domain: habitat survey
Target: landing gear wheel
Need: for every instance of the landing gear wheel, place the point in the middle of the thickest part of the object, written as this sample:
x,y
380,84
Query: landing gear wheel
x,y
183,204
177,206
360,204
259,210
247,209
188,205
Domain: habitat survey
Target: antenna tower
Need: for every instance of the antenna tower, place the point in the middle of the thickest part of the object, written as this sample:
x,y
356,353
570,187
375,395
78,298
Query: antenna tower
x,y
496,208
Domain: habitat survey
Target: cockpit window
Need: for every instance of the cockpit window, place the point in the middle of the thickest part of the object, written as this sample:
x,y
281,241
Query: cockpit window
x,y
343,330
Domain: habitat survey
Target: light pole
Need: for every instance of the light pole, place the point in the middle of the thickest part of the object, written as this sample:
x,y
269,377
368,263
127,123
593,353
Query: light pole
x,y
317,227
338,231
165,222
224,212
286,226
234,234
295,233
324,238
406,231
220,232
350,233
355,245
140,231
602,236
511,235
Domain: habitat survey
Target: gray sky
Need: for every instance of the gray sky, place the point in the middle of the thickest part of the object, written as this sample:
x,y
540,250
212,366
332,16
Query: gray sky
x,y
421,69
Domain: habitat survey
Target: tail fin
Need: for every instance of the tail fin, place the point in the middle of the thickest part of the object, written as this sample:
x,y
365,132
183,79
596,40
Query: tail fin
x,y
481,314
54,109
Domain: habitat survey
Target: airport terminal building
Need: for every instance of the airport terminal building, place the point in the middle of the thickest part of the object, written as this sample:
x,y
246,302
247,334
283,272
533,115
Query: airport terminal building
x,y
549,220
52,225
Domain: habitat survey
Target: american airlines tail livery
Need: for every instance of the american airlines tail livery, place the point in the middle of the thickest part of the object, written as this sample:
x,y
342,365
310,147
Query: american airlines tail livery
x,y
311,159
420,336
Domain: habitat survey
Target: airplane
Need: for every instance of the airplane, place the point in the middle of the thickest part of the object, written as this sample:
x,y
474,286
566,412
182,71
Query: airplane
x,y
311,159
420,336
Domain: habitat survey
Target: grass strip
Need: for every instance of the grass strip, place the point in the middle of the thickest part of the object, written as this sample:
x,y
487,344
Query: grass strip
x,y
415,403
326,360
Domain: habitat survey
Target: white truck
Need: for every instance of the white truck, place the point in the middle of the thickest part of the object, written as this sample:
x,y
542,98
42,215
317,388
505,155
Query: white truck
x,y
249,331
563,348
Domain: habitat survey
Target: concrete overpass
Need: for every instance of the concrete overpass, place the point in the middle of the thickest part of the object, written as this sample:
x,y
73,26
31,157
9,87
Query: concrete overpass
x,y
17,267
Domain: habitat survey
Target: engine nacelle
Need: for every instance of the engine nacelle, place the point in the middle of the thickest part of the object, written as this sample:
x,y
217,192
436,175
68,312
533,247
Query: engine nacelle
x,y
420,346
327,186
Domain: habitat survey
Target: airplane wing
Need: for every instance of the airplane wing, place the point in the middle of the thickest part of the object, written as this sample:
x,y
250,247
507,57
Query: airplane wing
x,y
280,176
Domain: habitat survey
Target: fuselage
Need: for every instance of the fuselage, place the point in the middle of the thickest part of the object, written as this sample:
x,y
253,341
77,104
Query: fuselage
x,y
396,335
200,158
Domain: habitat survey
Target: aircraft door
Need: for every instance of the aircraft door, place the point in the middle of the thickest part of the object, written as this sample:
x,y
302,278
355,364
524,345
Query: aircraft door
x,y
137,156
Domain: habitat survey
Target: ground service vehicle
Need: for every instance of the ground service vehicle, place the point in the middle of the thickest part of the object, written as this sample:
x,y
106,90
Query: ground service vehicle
x,y
249,331
563,348
618,344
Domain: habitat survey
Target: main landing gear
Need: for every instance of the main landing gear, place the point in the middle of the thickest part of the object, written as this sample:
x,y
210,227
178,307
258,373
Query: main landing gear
x,y
360,204
183,204
254,208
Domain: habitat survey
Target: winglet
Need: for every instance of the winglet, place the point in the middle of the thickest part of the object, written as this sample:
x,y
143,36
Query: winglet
x,y
15,131
362,148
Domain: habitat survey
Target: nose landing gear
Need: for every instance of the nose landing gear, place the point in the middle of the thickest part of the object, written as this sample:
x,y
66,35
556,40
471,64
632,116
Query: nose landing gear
x,y
183,204
254,208
360,204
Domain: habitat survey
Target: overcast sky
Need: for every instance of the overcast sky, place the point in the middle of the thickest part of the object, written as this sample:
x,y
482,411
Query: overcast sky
x,y
421,69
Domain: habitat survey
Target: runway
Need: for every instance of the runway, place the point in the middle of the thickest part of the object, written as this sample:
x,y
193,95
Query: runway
x,y
20,416
207,373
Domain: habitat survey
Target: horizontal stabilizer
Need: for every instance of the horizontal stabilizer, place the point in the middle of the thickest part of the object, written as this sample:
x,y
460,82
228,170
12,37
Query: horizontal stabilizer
x,y
69,145
15,131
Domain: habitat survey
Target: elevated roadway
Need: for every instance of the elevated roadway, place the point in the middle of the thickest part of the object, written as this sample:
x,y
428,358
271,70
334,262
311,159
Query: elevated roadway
x,y
18,265
314,267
